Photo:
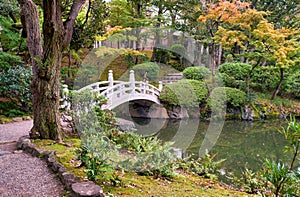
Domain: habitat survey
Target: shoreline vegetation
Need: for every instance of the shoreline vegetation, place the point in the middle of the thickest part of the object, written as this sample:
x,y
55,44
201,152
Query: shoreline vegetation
x,y
125,163
130,183
239,60
175,177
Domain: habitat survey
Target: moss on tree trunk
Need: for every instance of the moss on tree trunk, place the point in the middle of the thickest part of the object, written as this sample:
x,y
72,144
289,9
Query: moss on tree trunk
x,y
46,61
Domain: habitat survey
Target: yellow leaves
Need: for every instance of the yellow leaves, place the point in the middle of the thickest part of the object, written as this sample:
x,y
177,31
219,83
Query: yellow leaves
x,y
201,18
224,11
265,32
106,52
283,54
236,24
249,19
110,31
282,43
228,38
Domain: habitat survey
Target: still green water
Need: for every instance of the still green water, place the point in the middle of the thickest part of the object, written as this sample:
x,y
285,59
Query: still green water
x,y
242,144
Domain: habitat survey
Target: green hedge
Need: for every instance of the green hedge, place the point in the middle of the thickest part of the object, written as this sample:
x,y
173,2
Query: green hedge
x,y
293,84
234,74
188,93
196,73
178,50
150,68
264,78
226,96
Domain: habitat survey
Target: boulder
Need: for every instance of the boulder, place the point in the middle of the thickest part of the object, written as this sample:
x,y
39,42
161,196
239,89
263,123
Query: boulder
x,y
178,112
158,111
248,114
125,125
146,109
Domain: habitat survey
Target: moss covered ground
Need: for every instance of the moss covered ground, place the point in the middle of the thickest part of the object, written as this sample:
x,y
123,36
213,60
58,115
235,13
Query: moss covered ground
x,y
132,184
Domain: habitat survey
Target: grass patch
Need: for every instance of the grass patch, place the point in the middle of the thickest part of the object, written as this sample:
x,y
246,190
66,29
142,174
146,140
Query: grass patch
x,y
278,101
65,154
4,119
132,184
182,185
262,104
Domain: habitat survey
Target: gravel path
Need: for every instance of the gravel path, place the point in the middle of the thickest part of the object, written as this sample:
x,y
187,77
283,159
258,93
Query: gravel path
x,y
22,175
12,131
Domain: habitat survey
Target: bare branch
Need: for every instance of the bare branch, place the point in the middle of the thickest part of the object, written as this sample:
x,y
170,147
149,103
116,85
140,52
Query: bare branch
x,y
69,23
30,22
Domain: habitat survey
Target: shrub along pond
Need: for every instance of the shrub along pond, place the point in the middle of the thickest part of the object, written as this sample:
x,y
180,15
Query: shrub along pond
x,y
243,144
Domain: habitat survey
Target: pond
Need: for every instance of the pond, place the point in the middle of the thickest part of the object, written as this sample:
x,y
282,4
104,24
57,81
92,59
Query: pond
x,y
242,144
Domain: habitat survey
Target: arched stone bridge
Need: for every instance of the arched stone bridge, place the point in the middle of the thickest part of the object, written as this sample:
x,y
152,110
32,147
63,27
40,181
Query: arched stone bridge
x,y
119,92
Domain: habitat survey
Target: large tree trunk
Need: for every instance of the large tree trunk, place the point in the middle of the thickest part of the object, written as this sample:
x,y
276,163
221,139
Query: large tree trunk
x,y
279,83
46,61
47,81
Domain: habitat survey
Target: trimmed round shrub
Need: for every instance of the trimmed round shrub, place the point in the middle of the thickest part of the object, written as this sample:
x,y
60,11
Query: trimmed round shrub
x,y
176,65
293,84
178,50
148,70
188,93
264,78
234,74
226,96
196,73
162,55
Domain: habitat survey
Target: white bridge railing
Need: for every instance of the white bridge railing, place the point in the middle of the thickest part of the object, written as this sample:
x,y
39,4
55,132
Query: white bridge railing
x,y
119,92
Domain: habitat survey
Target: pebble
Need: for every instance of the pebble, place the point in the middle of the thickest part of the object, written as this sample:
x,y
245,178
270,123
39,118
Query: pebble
x,y
4,153
18,151
24,175
20,173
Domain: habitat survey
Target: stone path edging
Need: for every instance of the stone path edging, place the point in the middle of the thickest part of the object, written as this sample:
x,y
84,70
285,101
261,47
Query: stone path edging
x,y
78,189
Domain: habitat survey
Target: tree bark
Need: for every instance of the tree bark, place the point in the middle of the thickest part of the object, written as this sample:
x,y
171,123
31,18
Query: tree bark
x,y
279,84
46,61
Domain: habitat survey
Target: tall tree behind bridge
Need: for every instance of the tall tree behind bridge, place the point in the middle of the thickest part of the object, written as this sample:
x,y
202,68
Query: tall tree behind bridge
x,y
46,53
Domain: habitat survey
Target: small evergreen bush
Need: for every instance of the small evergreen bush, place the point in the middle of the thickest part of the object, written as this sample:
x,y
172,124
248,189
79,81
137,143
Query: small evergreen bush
x,y
226,96
8,60
178,50
176,65
15,84
162,55
293,84
234,75
264,78
196,73
188,93
150,69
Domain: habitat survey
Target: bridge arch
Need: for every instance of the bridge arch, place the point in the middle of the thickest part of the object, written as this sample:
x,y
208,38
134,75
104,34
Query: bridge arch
x,y
119,92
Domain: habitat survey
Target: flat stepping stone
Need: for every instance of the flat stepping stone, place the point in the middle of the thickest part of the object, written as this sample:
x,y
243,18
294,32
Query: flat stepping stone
x,y
87,189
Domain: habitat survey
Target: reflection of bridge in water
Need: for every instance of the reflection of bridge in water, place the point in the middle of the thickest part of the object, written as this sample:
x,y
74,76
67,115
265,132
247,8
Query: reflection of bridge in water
x,y
119,92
